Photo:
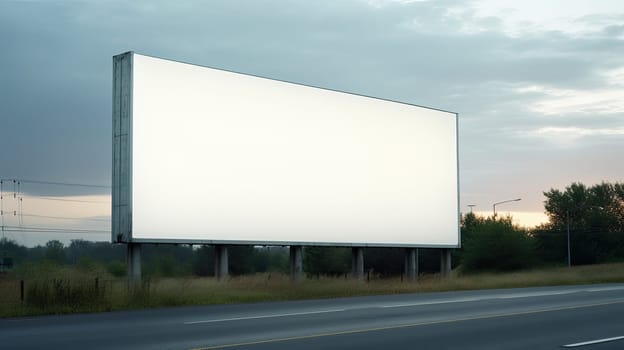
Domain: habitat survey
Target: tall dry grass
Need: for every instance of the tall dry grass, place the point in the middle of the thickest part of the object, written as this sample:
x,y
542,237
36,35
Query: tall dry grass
x,y
72,290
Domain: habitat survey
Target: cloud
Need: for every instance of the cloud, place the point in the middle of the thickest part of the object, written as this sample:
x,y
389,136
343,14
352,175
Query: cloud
x,y
566,101
576,132
574,18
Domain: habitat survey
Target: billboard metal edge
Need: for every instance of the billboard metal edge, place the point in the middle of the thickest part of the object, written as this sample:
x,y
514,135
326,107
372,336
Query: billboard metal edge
x,y
121,197
459,216
286,243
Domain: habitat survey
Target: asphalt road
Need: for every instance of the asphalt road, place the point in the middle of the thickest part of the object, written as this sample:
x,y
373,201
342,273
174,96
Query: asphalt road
x,y
528,318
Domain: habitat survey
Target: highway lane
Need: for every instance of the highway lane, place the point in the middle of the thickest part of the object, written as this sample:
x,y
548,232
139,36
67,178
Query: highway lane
x,y
535,318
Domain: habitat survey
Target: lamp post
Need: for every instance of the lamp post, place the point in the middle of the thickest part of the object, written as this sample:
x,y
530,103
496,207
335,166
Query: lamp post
x,y
568,228
507,201
471,206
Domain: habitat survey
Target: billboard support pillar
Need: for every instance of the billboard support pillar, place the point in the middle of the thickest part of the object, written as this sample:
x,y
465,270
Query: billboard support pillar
x,y
445,263
221,262
133,261
296,262
411,263
357,262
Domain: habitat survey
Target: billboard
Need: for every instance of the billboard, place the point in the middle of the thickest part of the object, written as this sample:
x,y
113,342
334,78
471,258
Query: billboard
x,y
202,155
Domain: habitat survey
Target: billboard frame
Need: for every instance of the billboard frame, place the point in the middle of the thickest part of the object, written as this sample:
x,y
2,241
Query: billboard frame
x,y
121,225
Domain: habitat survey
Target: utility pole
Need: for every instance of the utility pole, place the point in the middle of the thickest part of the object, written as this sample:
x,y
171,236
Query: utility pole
x,y
568,229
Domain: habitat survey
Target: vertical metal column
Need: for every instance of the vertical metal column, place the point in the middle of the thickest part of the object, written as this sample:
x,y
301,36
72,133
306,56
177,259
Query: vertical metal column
x,y
221,262
121,194
445,263
133,261
296,262
411,263
357,262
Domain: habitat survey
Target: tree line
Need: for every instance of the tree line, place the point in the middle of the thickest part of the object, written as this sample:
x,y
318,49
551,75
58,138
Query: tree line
x,y
167,260
592,215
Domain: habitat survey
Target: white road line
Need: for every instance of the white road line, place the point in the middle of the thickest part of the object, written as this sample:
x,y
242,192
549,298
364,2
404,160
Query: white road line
x,y
506,296
592,342
423,303
396,326
492,297
605,289
265,316
540,294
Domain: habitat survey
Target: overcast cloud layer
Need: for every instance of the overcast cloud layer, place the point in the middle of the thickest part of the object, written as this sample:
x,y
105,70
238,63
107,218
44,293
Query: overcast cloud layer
x,y
539,90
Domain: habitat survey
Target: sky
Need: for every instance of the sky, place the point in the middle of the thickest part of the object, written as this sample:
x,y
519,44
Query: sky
x,y
538,85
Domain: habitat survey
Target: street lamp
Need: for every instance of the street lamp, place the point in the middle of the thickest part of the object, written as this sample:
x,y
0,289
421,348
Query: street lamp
x,y
568,227
471,206
507,201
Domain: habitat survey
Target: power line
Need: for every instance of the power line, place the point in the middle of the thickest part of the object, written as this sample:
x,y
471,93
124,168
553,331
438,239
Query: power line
x,y
56,183
58,231
51,230
16,200
66,200
66,217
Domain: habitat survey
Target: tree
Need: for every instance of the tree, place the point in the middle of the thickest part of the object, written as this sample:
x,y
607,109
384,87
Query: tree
x,y
595,216
271,259
203,261
495,244
469,223
601,205
167,260
241,258
326,260
12,251
54,252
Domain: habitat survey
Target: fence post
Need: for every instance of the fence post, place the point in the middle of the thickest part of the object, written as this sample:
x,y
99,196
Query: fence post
x,y
22,291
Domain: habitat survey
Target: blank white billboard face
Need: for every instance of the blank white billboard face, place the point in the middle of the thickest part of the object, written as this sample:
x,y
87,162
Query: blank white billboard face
x,y
221,157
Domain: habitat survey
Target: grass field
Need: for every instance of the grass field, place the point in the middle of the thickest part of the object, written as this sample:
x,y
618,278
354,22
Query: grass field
x,y
70,290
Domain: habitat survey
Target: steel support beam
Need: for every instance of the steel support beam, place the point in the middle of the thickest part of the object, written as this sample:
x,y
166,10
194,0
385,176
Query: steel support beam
x,y
411,263
445,263
133,261
221,262
296,262
357,262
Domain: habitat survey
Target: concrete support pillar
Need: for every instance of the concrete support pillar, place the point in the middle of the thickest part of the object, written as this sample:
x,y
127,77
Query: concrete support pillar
x,y
133,261
445,263
296,262
221,262
411,263
357,262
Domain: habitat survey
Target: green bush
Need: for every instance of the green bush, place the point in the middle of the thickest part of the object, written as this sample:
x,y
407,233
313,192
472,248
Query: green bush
x,y
86,263
116,268
496,245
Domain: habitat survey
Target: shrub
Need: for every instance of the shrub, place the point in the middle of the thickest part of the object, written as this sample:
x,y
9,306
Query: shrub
x,y
116,268
496,245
